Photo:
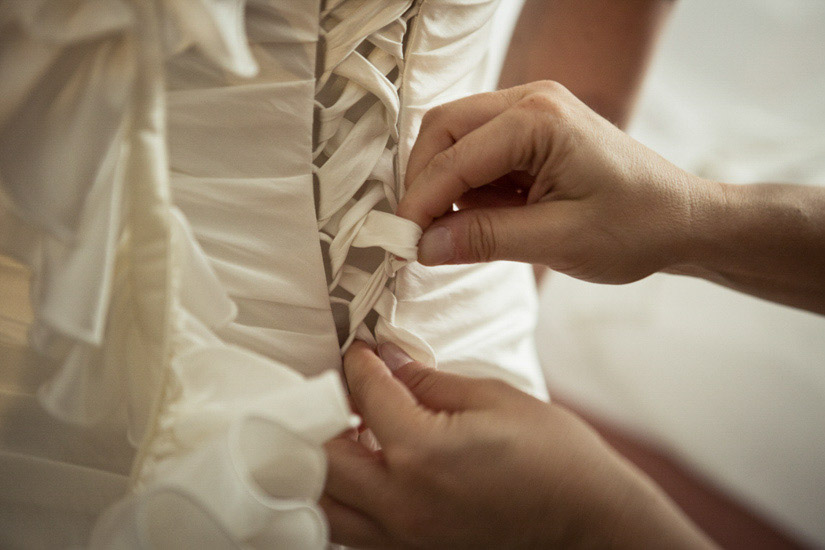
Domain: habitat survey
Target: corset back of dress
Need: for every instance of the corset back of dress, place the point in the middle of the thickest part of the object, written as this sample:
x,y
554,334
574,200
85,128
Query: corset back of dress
x,y
288,178
182,309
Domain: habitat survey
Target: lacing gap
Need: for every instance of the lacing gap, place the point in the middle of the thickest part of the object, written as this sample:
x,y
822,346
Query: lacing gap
x,y
355,144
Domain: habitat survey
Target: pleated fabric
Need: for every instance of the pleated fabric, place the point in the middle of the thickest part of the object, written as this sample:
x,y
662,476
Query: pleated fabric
x,y
201,194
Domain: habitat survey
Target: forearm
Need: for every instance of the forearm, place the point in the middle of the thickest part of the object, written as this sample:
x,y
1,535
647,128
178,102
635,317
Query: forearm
x,y
649,519
613,504
598,49
767,240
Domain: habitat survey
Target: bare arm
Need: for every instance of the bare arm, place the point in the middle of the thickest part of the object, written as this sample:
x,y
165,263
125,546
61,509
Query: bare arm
x,y
767,240
598,49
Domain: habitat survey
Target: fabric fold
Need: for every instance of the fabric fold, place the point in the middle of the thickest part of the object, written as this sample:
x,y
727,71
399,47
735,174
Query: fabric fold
x,y
255,430
176,174
364,55
127,302
216,27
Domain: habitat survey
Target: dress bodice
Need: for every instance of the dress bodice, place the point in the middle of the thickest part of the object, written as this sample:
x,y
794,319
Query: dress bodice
x,y
313,153
203,193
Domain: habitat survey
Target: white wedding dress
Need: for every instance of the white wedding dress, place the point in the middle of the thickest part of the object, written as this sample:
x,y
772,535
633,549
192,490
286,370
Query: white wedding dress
x,y
195,220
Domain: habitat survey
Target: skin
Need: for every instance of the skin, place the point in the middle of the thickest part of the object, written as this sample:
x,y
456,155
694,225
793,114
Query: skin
x,y
544,179
598,49
469,463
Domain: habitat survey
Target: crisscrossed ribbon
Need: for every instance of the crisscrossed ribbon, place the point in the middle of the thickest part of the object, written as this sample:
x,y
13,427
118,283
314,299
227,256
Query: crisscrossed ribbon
x,y
354,162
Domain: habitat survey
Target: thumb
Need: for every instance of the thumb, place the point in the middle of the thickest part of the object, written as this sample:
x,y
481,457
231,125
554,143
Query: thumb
x,y
436,390
519,233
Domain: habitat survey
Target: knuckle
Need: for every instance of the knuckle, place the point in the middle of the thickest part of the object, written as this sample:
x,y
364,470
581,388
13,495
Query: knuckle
x,y
540,103
551,87
481,237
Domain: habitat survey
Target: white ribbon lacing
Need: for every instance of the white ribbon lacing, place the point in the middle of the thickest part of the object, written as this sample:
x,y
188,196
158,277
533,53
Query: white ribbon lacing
x,y
362,56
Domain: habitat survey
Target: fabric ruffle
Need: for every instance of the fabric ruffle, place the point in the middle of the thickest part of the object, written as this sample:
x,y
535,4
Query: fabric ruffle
x,y
215,28
123,296
76,86
72,69
260,452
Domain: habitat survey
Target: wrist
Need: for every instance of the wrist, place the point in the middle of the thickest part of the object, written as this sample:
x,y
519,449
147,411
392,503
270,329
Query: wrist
x,y
709,205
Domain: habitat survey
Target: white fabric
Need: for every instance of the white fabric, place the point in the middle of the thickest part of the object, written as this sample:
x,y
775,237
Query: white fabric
x,y
731,385
201,192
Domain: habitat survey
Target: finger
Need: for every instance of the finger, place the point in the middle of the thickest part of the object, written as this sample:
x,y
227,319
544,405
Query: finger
x,y
538,233
442,126
496,148
386,406
351,527
355,476
436,390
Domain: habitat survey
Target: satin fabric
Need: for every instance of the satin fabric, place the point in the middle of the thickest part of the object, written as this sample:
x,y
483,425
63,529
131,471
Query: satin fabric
x,y
201,193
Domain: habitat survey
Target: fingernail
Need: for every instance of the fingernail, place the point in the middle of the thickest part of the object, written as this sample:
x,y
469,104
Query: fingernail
x,y
393,356
436,246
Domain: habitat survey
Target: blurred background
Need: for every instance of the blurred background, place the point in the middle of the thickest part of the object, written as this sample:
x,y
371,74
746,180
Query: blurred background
x,y
719,396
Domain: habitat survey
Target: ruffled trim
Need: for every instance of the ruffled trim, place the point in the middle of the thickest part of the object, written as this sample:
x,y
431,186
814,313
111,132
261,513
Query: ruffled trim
x,y
69,105
45,21
264,478
70,83
216,28
89,387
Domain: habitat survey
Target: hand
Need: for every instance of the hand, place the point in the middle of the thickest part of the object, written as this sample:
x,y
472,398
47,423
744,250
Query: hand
x,y
541,178
470,463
